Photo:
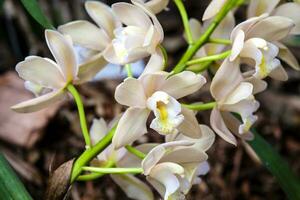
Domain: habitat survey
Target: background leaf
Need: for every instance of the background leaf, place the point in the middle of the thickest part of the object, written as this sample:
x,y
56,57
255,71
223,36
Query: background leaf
x,y
35,11
288,181
10,185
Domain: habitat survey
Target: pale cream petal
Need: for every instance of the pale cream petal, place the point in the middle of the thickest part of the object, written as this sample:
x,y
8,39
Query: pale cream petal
x,y
41,71
272,28
85,34
213,8
279,74
226,79
130,14
165,174
242,91
63,53
131,127
189,126
133,187
196,28
287,56
258,7
183,84
131,93
218,125
156,6
90,68
237,45
98,130
155,63
233,124
153,81
258,84
40,102
103,16
292,11
207,139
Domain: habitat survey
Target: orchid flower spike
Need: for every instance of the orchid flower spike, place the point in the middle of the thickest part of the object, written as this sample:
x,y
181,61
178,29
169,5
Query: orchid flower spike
x,y
140,36
157,93
173,167
91,40
132,186
234,94
254,42
48,79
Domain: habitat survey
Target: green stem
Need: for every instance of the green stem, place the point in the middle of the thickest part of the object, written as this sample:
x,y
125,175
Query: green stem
x,y
209,58
95,175
89,154
185,20
135,151
128,70
114,170
181,65
82,119
288,181
219,41
199,68
200,106
165,55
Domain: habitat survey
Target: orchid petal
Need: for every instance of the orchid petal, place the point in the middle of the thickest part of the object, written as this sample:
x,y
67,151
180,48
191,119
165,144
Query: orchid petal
x,y
242,91
131,126
40,102
212,9
98,130
287,56
258,7
41,71
63,53
155,63
237,45
189,126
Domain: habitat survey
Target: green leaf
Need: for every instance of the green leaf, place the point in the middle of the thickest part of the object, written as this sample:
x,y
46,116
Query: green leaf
x,y
270,158
35,11
10,185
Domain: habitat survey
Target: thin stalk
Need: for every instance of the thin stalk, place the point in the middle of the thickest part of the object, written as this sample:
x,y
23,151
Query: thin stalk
x,y
89,154
128,70
185,20
95,175
81,113
190,52
219,41
114,170
135,152
199,68
200,106
209,58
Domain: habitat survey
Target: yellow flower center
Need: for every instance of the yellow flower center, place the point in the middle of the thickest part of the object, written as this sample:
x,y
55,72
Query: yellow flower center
x,y
263,72
162,111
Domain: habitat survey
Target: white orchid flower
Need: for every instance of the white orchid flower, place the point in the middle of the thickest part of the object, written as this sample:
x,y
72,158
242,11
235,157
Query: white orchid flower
x,y
132,186
91,40
213,8
156,6
173,167
234,94
256,39
157,93
140,36
46,78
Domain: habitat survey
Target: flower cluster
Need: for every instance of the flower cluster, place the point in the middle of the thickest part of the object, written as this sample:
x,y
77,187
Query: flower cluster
x,y
128,32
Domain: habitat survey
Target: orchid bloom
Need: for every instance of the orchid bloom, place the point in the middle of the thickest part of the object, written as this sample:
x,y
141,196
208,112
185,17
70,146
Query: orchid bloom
x,y
158,93
173,167
213,8
254,41
132,186
234,94
46,78
91,40
140,36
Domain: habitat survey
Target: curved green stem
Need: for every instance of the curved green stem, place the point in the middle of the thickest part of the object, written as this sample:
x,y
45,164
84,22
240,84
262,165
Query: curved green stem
x,y
135,151
89,154
185,20
165,55
128,70
200,106
209,58
82,119
95,175
181,65
114,170
219,41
